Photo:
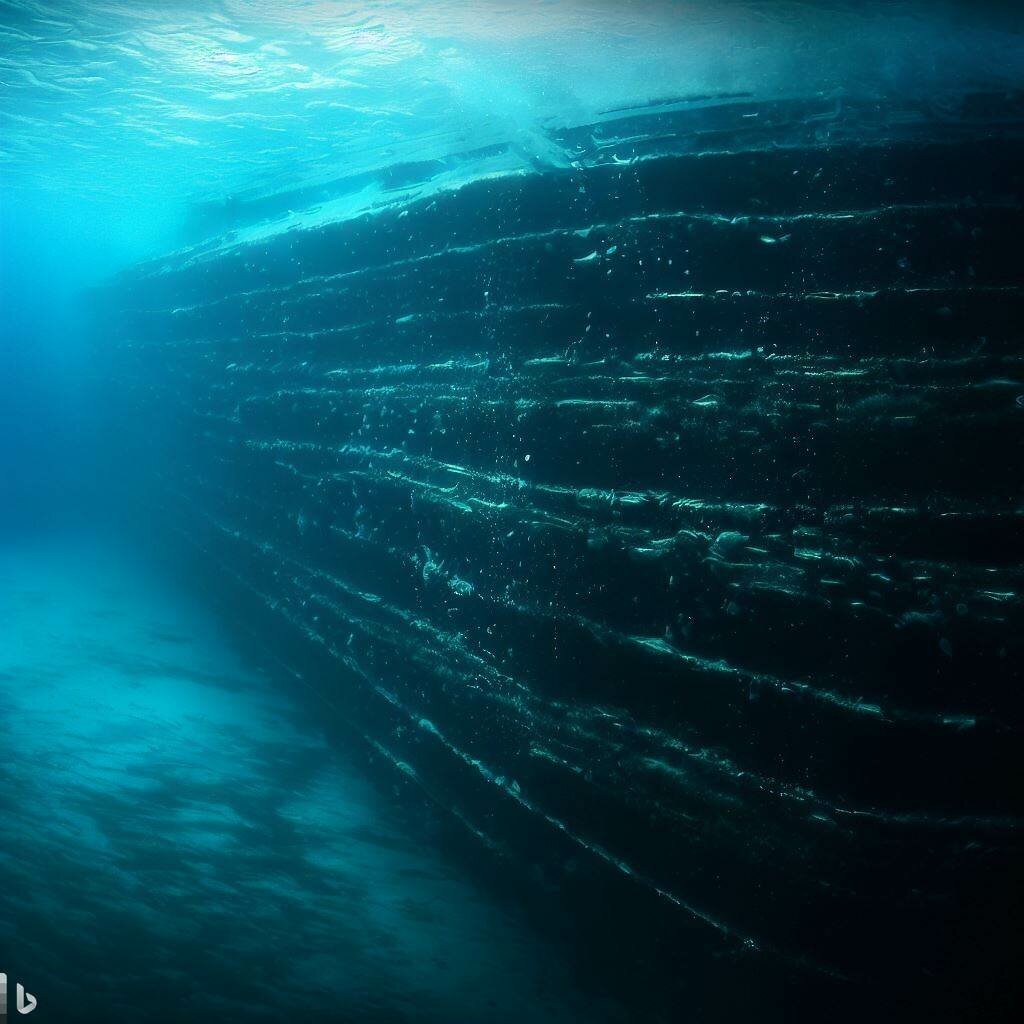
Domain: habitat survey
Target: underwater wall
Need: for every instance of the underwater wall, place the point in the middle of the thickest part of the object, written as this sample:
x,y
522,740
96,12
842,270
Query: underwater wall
x,y
655,507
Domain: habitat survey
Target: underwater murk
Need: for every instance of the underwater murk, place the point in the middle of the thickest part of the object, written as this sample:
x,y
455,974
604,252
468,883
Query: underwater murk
x,y
511,511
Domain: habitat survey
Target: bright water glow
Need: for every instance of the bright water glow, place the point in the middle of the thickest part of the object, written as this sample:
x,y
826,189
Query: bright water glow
x,y
173,102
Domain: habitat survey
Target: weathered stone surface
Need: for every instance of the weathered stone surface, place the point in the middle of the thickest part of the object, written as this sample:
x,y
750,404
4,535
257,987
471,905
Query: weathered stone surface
x,y
662,517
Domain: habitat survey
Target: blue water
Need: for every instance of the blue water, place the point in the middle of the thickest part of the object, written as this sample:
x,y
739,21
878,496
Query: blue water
x,y
192,828
181,842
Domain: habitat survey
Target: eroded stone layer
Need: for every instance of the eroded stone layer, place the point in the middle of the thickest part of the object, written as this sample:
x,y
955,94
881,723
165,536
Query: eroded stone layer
x,y
661,517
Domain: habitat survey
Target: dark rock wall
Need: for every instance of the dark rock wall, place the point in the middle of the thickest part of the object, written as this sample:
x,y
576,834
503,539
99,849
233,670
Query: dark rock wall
x,y
661,518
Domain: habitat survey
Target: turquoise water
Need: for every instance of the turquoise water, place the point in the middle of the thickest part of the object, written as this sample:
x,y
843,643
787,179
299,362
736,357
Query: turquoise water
x,y
510,510
181,842
130,126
